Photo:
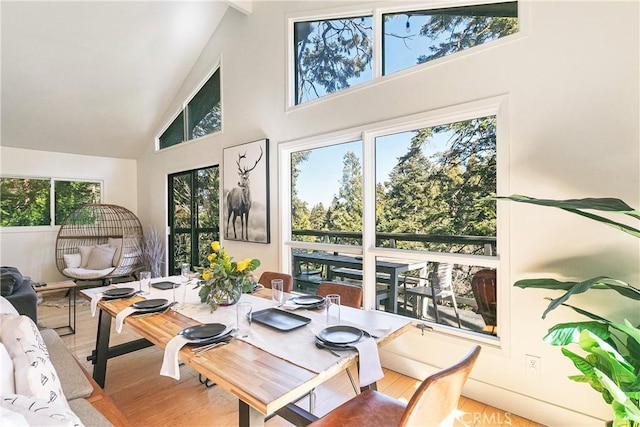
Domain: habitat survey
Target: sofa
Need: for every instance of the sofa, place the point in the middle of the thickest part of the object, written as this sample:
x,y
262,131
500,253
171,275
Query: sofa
x,y
41,382
17,289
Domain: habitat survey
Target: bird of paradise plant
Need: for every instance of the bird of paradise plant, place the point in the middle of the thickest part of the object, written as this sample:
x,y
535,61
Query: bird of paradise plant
x,y
612,363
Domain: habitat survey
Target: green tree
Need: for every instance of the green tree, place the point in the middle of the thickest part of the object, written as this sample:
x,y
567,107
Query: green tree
x,y
472,155
318,217
467,27
70,195
299,208
330,54
346,209
410,196
443,194
25,202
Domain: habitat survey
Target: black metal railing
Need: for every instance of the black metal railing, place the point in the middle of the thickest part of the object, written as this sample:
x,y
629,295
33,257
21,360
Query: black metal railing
x,y
483,244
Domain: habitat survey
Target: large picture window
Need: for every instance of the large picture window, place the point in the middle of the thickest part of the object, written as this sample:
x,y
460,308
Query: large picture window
x,y
31,201
406,212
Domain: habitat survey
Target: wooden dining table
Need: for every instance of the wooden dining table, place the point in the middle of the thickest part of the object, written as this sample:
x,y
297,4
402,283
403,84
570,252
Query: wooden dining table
x,y
265,384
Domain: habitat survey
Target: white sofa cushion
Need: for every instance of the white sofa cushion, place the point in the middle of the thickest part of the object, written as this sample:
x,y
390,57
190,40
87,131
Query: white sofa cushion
x,y
72,260
85,273
34,373
39,412
7,382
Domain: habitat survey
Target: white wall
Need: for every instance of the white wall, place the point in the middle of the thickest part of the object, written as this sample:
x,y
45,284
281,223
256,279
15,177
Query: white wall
x,y
32,249
571,79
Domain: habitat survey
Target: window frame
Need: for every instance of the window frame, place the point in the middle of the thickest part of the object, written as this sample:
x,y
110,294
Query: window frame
x,y
377,77
495,106
52,200
184,111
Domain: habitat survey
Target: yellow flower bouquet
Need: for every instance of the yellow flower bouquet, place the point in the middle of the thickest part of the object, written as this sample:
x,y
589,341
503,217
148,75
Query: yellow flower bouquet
x,y
222,282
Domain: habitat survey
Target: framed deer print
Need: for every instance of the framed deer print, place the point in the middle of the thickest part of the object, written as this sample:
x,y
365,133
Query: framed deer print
x,y
246,192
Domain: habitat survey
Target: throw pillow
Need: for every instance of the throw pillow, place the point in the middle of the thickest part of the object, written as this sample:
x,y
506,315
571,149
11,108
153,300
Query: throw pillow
x,y
12,418
7,383
10,279
39,412
7,307
72,260
116,243
34,374
101,257
85,251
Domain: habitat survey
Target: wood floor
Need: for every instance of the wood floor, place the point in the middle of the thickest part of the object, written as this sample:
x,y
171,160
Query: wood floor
x,y
148,399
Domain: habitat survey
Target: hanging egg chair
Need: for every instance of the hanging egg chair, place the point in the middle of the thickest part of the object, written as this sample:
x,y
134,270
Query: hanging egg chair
x,y
99,242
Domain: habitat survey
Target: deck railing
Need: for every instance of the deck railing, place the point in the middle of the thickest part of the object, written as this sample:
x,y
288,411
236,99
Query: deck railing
x,y
483,244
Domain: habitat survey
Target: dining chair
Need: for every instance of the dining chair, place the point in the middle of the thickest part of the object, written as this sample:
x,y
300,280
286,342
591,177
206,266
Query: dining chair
x,y
440,286
483,285
434,403
349,295
266,278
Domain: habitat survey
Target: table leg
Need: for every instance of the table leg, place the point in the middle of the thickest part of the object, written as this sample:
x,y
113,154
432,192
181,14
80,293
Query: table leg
x,y
72,303
249,417
393,297
102,348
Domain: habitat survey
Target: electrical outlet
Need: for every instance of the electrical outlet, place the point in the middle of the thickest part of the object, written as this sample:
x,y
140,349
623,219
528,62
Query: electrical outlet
x,y
533,366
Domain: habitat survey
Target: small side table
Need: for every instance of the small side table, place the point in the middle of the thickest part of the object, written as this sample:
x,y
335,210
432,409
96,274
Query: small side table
x,y
70,287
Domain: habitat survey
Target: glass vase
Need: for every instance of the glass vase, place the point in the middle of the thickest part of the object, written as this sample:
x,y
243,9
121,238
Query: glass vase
x,y
226,296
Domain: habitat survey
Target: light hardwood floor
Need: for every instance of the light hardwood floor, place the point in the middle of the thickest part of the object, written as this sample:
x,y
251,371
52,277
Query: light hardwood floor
x,y
148,399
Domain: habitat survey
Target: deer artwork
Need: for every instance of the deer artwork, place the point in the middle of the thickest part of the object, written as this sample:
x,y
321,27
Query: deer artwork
x,y
239,199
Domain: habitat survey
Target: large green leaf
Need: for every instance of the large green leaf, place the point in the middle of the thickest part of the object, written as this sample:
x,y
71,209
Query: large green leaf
x,y
581,363
575,288
626,408
592,343
615,367
606,204
569,333
630,330
577,206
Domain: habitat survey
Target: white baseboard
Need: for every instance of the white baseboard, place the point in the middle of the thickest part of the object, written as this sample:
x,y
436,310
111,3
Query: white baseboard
x,y
510,401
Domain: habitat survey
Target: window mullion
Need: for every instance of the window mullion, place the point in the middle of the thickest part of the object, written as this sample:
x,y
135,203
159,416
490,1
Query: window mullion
x,y
369,220
52,202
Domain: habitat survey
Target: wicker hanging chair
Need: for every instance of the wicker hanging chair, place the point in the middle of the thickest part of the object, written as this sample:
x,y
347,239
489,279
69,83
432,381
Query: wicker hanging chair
x,y
99,242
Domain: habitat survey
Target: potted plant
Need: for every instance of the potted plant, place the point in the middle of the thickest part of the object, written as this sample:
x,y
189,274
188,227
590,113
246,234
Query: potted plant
x,y
223,281
611,365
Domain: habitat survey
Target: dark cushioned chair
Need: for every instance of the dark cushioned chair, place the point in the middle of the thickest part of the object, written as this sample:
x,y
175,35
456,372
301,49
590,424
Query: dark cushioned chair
x,y
18,291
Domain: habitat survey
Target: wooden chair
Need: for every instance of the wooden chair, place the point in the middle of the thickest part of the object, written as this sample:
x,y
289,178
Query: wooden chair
x,y
440,286
349,295
484,290
433,404
266,278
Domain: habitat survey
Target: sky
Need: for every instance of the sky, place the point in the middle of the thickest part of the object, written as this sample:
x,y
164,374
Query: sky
x,y
320,175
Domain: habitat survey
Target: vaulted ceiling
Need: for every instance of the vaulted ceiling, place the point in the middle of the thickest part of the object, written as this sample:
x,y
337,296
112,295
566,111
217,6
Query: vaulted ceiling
x,y
93,77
